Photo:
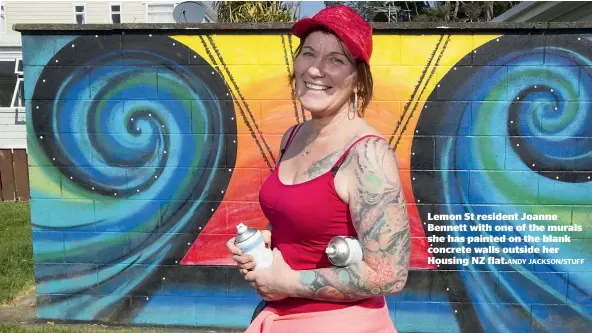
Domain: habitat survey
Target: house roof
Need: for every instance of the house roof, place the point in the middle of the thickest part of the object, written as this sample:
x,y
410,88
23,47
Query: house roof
x,y
548,11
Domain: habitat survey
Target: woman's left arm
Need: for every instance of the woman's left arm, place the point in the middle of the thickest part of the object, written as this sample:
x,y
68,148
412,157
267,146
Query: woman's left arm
x,y
379,214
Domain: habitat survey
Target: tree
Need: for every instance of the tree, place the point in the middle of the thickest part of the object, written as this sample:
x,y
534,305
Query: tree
x,y
256,11
366,9
428,11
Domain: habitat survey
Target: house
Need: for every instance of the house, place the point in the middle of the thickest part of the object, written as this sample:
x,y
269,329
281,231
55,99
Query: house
x,y
12,111
548,11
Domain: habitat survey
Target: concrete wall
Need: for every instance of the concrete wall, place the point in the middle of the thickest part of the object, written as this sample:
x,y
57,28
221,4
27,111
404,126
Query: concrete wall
x,y
147,147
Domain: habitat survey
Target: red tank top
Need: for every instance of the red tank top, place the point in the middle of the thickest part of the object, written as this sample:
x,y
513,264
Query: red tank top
x,y
304,218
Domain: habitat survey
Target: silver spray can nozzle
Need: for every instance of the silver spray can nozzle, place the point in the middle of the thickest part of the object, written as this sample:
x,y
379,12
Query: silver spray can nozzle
x,y
343,251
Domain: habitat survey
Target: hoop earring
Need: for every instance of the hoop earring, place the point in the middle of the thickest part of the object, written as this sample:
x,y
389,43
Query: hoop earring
x,y
351,112
356,102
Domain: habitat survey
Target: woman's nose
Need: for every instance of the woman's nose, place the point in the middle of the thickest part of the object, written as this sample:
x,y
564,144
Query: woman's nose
x,y
316,68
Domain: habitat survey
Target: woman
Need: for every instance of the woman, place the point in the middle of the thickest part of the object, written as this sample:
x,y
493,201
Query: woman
x,y
336,176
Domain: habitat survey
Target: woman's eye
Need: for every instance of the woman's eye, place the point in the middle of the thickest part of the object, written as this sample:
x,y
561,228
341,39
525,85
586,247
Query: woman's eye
x,y
336,60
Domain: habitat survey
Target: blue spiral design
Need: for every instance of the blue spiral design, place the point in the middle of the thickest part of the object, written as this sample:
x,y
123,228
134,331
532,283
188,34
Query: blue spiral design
x,y
138,138
516,147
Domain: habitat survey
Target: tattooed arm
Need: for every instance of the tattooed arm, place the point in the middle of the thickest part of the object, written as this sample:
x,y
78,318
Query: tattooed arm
x,y
379,214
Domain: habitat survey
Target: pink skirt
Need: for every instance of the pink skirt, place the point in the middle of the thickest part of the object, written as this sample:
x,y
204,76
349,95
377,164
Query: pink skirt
x,y
353,319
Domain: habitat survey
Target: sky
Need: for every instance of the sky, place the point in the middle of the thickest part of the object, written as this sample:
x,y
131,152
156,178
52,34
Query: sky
x,y
308,8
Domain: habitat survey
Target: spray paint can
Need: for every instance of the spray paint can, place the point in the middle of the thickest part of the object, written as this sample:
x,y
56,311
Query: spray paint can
x,y
250,240
344,250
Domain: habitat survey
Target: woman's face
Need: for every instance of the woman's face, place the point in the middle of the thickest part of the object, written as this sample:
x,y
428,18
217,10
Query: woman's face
x,y
324,76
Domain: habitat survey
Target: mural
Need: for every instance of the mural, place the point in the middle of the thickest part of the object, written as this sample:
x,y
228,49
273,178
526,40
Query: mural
x,y
145,150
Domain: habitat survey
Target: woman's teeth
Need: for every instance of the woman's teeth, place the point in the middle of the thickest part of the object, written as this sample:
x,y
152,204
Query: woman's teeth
x,y
315,86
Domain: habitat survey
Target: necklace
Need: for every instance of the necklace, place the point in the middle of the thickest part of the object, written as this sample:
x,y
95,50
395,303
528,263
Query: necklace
x,y
307,149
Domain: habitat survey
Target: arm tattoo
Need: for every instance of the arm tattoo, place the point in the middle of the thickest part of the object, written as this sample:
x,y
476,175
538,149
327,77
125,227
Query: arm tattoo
x,y
379,213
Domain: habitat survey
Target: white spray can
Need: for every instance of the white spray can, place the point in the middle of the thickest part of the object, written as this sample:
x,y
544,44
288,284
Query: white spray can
x,y
344,250
250,240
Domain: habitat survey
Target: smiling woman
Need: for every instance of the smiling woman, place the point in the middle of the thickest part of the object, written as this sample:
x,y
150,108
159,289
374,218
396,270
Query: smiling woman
x,y
342,179
336,62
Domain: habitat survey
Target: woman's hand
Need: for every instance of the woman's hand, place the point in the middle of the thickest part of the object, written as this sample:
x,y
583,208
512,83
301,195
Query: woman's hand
x,y
246,262
275,282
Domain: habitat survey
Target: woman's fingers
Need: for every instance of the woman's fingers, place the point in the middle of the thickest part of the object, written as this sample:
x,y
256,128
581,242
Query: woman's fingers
x,y
244,259
266,237
245,262
233,248
248,266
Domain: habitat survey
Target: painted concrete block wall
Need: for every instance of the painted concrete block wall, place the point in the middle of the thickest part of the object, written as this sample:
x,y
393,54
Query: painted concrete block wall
x,y
146,148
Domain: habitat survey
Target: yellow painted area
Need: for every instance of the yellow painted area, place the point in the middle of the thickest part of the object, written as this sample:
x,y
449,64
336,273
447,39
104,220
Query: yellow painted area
x,y
42,182
255,68
406,69
386,50
248,63
458,46
416,49
254,50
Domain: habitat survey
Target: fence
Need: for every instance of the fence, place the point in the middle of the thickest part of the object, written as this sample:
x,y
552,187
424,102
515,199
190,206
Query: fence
x,y
14,176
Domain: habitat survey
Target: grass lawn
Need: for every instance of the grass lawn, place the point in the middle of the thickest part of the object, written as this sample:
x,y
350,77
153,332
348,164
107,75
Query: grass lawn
x,y
16,328
87,328
16,252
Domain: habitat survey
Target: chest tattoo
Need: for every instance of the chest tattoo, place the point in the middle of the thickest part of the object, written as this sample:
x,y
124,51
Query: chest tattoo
x,y
323,165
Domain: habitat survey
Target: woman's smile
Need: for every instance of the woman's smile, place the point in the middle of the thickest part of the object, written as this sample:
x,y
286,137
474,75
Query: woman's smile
x,y
316,87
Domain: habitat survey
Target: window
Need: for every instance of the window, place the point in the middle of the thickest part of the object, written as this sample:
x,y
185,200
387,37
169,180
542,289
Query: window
x,y
80,12
18,97
115,14
11,83
2,19
160,13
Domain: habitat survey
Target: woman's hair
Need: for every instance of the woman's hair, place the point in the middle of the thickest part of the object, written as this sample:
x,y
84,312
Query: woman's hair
x,y
364,81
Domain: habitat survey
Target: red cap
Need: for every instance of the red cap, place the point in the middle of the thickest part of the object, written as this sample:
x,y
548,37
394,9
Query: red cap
x,y
346,23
